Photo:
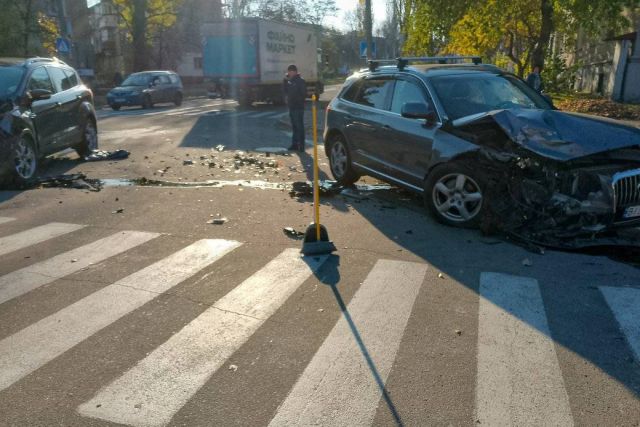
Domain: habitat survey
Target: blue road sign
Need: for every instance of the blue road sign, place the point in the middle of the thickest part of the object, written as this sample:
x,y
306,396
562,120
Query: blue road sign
x,y
363,49
63,45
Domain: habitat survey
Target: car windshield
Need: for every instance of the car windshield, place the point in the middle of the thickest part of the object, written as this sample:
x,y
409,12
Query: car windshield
x,y
9,80
137,80
463,94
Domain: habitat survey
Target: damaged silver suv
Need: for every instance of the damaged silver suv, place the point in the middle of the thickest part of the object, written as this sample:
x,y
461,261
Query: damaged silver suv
x,y
485,149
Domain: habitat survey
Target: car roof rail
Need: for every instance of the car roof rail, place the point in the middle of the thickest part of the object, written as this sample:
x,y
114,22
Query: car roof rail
x,y
402,63
40,59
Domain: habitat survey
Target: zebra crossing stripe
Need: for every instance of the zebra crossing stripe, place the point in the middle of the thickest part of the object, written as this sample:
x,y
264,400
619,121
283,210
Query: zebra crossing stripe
x,y
38,344
20,282
200,113
519,380
625,305
343,383
4,219
158,386
35,235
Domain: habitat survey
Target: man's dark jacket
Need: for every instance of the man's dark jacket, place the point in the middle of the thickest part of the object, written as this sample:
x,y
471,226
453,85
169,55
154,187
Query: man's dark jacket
x,y
295,90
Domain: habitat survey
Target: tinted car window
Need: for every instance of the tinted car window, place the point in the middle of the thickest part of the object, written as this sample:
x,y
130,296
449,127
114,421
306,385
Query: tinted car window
x,y
164,79
375,93
40,80
352,91
72,76
59,78
137,80
10,78
404,92
173,78
465,94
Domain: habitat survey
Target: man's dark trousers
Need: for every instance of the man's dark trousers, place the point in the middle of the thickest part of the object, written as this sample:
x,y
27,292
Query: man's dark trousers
x,y
297,125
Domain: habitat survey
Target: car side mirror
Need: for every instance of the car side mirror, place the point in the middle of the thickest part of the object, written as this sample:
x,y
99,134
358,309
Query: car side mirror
x,y
419,110
35,95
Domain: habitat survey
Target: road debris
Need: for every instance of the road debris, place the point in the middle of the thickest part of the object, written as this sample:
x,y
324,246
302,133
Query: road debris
x,y
118,211
458,332
220,147
218,221
441,276
100,155
291,232
233,368
77,181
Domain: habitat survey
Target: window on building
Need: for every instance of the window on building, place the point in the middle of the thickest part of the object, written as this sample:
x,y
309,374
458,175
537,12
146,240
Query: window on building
x,y
197,63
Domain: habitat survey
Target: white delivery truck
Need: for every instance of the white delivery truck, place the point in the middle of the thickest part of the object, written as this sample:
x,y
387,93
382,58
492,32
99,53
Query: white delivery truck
x,y
247,58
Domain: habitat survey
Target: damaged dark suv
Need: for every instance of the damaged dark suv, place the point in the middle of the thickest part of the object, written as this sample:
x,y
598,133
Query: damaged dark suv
x,y
485,149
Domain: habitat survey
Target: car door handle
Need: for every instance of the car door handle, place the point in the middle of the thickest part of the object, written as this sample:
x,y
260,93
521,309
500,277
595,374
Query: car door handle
x,y
387,127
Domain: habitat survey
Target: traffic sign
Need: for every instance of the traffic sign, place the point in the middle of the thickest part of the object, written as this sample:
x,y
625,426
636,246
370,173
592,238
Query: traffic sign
x,y
363,49
63,45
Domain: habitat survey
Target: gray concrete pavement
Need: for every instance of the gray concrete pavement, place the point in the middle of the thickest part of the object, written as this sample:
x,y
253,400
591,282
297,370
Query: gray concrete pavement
x,y
409,323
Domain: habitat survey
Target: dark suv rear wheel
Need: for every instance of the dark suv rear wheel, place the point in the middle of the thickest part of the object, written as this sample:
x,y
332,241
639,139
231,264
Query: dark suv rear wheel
x,y
340,161
453,194
89,139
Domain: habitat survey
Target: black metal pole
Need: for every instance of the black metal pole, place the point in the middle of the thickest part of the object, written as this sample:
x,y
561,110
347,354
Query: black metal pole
x,y
368,27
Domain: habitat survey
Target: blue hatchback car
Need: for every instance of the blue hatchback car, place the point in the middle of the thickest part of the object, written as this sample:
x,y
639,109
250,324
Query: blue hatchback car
x,y
146,89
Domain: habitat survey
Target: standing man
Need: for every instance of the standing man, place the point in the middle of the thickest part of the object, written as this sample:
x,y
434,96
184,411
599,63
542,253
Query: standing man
x,y
295,92
535,80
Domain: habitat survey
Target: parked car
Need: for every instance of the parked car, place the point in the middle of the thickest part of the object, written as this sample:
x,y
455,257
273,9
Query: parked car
x,y
146,89
485,149
44,108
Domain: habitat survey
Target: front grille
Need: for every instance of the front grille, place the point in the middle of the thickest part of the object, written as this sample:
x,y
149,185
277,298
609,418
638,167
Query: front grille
x,y
626,186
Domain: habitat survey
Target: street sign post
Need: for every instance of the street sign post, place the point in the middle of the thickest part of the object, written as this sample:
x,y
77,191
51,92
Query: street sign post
x,y
63,45
363,50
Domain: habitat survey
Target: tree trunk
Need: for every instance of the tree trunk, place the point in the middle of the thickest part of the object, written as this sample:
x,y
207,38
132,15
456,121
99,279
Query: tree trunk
x,y
139,35
538,55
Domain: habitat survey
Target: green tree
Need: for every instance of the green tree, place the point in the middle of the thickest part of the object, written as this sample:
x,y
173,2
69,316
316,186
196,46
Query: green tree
x,y
427,23
146,20
26,31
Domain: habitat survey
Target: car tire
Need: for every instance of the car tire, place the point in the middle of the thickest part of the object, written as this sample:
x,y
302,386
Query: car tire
x,y
25,161
89,139
147,103
453,195
115,107
177,100
340,161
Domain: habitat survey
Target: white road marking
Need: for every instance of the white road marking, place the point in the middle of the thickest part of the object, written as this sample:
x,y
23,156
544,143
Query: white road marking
x,y
29,278
342,383
158,386
4,219
35,235
519,380
38,344
199,113
625,305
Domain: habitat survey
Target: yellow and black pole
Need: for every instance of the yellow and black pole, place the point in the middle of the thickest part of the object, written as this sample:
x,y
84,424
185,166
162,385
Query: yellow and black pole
x,y
316,238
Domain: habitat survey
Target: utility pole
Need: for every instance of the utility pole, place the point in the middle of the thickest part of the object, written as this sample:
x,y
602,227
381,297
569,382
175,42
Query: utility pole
x,y
368,28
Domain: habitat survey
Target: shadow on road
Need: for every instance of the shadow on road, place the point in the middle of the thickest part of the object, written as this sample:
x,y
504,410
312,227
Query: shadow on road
x,y
578,317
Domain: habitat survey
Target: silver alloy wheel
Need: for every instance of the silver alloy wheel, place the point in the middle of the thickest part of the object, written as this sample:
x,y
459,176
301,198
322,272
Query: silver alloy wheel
x,y
339,158
91,136
25,160
457,197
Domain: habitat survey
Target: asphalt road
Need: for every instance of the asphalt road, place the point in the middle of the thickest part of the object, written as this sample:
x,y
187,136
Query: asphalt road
x,y
127,306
